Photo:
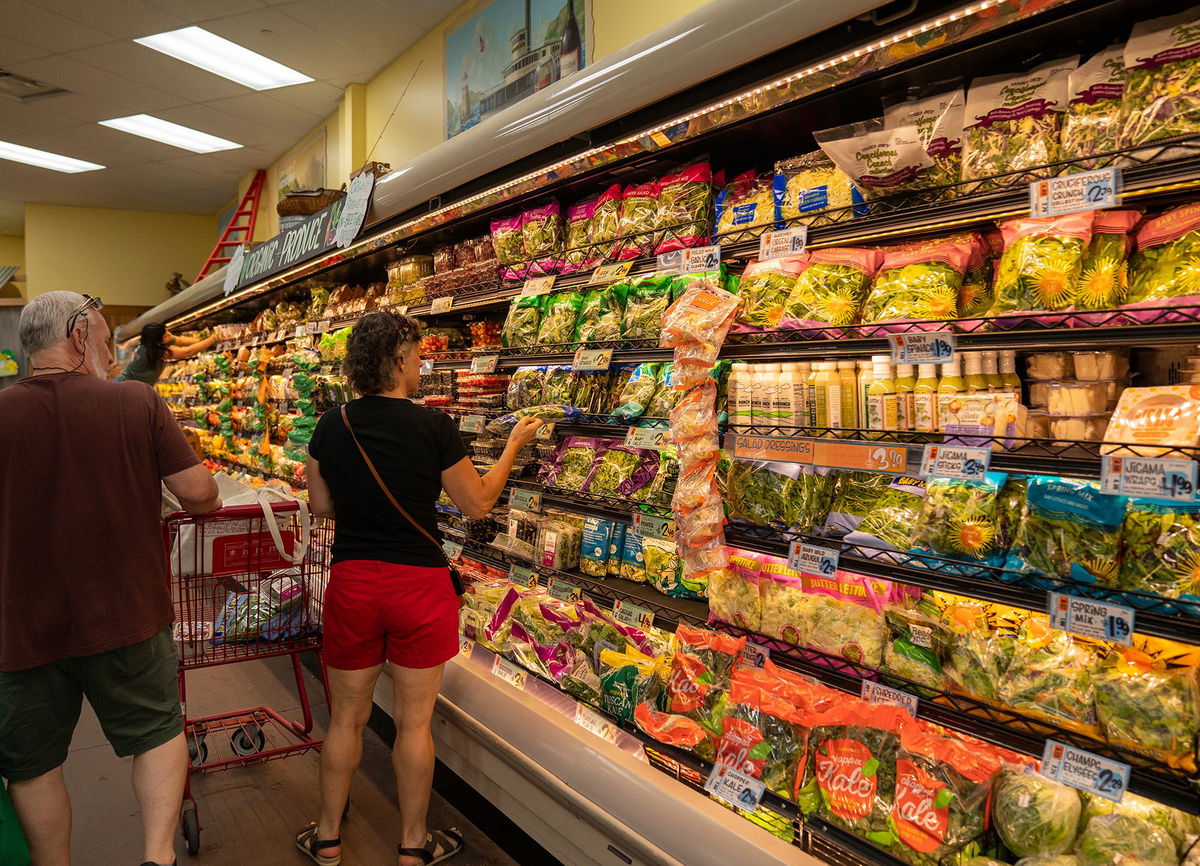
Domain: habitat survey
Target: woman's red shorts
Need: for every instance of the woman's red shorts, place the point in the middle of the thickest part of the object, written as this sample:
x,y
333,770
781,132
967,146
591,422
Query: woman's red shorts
x,y
377,611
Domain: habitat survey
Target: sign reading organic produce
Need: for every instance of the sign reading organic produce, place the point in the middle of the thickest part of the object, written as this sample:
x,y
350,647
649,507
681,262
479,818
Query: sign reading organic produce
x,y
313,237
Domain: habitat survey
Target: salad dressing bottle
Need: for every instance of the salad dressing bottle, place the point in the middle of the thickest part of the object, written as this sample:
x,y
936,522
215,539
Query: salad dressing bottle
x,y
802,373
849,394
1008,371
925,399
949,387
991,371
760,400
865,372
739,395
829,396
784,401
811,393
882,411
906,403
976,382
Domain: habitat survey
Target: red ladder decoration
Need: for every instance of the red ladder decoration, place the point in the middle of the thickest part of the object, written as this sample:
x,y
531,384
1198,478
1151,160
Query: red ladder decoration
x,y
243,221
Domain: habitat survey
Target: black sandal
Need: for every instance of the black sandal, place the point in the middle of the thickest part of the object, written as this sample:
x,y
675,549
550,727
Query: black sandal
x,y
451,842
307,841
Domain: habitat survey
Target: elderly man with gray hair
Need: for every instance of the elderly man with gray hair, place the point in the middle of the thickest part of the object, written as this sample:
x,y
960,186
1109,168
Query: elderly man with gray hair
x,y
85,607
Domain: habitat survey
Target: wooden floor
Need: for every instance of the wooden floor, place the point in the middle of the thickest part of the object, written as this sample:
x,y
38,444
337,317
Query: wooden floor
x,y
248,816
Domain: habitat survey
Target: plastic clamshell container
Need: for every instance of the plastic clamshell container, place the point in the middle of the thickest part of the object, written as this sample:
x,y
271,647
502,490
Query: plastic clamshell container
x,y
1076,398
1080,428
1037,424
1049,365
1155,420
1101,364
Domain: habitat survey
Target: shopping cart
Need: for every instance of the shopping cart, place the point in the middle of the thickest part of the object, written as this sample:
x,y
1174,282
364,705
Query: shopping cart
x,y
248,582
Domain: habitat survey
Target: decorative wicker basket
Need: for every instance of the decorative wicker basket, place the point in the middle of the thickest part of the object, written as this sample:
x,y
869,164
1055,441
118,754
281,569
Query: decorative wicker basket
x,y
305,202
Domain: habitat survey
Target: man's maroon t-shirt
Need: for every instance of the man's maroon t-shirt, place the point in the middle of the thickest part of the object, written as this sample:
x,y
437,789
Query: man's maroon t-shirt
x,y
82,565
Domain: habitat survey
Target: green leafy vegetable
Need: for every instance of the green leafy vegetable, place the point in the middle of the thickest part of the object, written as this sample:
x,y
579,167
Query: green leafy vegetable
x,y
959,518
1109,840
1051,674
1035,815
1070,530
560,318
523,322
1149,708
1160,549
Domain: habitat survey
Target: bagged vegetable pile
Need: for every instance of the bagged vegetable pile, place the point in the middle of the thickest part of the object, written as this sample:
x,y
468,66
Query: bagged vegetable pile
x,y
733,593
1093,122
1035,815
700,677
938,117
638,229
1163,80
1165,272
882,160
1042,263
913,641
1051,675
831,289
542,237
764,734
600,315
507,241
523,322
685,205
806,185
559,319
1104,277
763,292
1159,549
646,301
916,282
579,255
747,202
571,466
892,520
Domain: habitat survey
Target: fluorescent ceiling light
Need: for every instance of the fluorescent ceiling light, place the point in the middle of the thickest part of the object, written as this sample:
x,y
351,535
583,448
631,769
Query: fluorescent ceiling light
x,y
170,133
197,46
44,159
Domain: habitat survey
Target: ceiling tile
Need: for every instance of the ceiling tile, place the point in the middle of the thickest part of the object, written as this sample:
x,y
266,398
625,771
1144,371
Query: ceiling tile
x,y
139,63
263,108
98,84
34,25
124,20
318,54
318,96
208,119
12,51
196,11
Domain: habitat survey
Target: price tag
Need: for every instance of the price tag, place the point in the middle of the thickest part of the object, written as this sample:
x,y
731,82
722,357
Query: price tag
x,y
233,270
592,360
690,261
310,328
1095,619
811,559
465,646
632,615
1083,190
439,305
878,693
755,655
402,310
735,787
777,245
471,423
526,500
929,347
537,286
1151,477
1086,771
649,526
545,431
647,437
952,461
509,672
522,576
564,591
323,326
610,273
592,721
484,363
452,549
300,331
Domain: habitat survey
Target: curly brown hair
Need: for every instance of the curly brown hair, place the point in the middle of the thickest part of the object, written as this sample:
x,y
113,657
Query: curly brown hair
x,y
374,349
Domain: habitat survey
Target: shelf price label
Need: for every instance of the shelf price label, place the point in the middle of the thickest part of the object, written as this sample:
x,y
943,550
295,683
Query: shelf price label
x,y
465,646
649,526
788,242
323,326
735,787
537,286
610,273
452,549
1094,619
811,559
1082,190
1085,771
929,347
878,693
595,723
632,615
471,423
592,360
509,672
310,328
484,363
564,590
526,500
1150,477
545,431
647,437
755,655
441,305
952,461
690,261
522,576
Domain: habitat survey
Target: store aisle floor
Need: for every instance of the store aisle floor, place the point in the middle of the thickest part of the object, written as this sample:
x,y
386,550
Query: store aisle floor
x,y
249,815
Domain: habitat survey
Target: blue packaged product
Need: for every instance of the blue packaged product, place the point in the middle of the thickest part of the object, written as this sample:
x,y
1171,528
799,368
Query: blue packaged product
x,y
593,551
633,563
616,549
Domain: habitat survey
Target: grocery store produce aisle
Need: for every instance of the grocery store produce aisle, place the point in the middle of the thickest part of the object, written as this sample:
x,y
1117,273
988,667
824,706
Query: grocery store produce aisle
x,y
249,815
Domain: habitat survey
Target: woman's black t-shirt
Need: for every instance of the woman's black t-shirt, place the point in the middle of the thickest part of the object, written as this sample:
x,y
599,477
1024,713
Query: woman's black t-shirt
x,y
410,446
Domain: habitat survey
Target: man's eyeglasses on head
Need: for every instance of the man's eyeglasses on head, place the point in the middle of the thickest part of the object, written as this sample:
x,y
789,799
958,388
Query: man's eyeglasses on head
x,y
89,303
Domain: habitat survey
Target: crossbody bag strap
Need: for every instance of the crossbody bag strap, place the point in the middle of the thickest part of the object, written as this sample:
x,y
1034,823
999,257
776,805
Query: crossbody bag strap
x,y
386,492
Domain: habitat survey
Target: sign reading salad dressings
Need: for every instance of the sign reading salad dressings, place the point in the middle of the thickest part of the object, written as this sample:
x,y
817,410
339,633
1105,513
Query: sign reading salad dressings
x,y
1149,477
1098,620
1085,771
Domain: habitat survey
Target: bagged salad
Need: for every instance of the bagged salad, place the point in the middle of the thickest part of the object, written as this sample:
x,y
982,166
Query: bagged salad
x,y
1093,122
854,497
1051,675
882,160
633,561
1042,262
843,616
638,392
1013,123
783,601
1166,269
523,322
593,550
572,465
600,315
579,256
763,291
560,317
606,223
748,201
622,471
1160,549
916,282
831,289
700,675
938,117
733,593
960,519
806,185
1163,80
507,241
542,232
914,637
975,297
639,220
1109,840
685,205
646,302
1104,277
1035,815
890,524
975,657
763,735
762,492
525,387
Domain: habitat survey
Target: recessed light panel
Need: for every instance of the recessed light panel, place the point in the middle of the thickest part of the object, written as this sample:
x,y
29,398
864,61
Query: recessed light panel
x,y
170,133
45,159
197,46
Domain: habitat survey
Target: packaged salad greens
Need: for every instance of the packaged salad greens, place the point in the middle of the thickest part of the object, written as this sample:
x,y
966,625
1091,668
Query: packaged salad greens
x,y
1093,122
881,160
507,241
938,117
916,282
960,519
1160,549
1183,828
1104,278
626,680
733,593
560,317
761,492
672,729
593,550
578,254
748,201
639,220
572,465
646,302
1166,269
606,223
843,616
892,520
633,562
600,315
667,397
589,390
616,547
974,656
764,290
831,289
763,735
665,571
783,603
623,471
1051,675
1013,123
523,322
685,204
542,232
854,497
1109,840
1163,80
525,387
975,296
700,675
638,392
810,184
1149,706
1042,262
558,386
1035,815
910,650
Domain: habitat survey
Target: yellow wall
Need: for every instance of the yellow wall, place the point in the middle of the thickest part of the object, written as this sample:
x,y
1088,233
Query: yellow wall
x,y
12,252
125,257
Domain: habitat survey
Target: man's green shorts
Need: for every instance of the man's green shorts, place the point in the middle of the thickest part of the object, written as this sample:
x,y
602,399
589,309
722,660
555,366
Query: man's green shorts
x,y
134,691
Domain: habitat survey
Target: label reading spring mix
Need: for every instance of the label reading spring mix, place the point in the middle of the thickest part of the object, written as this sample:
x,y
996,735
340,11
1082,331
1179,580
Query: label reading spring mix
x,y
509,672
1085,771
930,347
526,500
1095,619
878,693
735,787
777,245
647,437
811,559
1083,190
952,461
1149,477
592,360
632,615
484,363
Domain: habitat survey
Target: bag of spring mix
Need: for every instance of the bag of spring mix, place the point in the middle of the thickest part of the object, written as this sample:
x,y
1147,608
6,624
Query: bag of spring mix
x,y
1069,530
830,291
542,232
638,392
881,160
578,255
975,295
763,292
938,118
633,561
975,655
1051,675
593,550
1013,123
1104,277
685,203
639,220
1163,79
892,520
507,241
1165,271
733,592
1041,265
806,185
1093,122
559,319
523,322
916,282
1160,549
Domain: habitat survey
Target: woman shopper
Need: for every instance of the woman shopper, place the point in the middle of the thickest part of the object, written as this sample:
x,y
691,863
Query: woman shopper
x,y
379,465
158,346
